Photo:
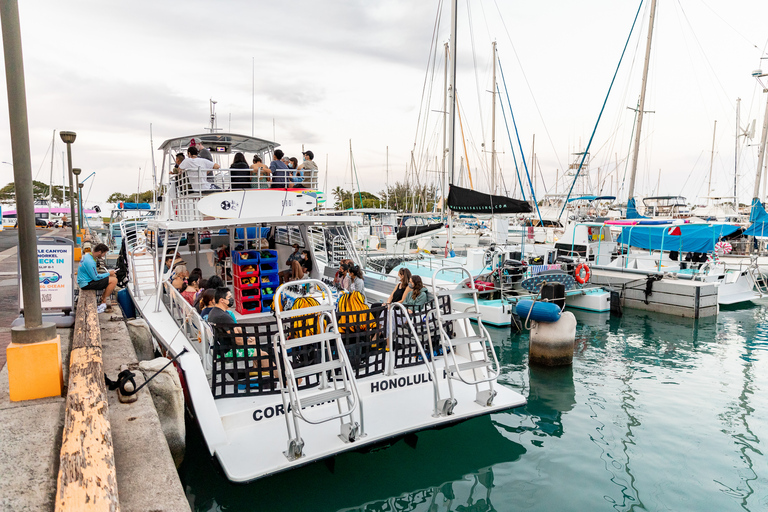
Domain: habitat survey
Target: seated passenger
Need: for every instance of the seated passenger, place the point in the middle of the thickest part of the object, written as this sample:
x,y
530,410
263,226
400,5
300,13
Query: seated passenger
x,y
260,173
88,277
206,302
356,282
417,295
285,275
190,289
301,267
398,294
278,169
196,171
240,174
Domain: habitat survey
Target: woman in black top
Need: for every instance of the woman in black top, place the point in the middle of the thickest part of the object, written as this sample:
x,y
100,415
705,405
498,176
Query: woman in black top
x,y
241,172
399,292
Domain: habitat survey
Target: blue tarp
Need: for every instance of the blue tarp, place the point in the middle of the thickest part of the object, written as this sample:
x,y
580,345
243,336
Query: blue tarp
x,y
681,238
632,210
759,219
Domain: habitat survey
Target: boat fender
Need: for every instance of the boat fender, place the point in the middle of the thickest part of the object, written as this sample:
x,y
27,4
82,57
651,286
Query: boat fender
x,y
546,312
583,273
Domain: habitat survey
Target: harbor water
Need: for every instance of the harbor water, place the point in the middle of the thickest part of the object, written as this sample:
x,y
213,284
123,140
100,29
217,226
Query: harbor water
x,y
656,413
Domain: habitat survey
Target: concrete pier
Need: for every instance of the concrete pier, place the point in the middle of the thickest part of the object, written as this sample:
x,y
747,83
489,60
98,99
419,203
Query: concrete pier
x,y
31,431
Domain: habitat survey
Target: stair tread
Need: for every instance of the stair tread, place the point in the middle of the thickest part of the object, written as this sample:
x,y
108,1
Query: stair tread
x,y
328,396
317,368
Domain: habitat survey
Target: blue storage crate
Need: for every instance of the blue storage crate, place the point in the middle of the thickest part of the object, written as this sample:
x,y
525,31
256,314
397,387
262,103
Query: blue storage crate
x,y
268,267
271,259
252,259
274,280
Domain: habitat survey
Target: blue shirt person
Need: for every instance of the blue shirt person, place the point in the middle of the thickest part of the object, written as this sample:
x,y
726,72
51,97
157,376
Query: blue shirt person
x,y
88,278
279,170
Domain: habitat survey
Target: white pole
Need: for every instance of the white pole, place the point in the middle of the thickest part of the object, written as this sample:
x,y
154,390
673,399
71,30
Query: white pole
x,y
50,182
641,107
761,150
493,125
452,106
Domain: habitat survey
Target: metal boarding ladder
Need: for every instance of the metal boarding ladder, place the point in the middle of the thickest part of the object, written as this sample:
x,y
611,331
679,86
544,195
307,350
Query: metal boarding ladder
x,y
482,358
760,283
442,406
341,388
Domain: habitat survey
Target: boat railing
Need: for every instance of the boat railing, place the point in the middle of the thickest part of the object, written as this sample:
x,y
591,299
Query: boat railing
x,y
134,235
188,187
195,329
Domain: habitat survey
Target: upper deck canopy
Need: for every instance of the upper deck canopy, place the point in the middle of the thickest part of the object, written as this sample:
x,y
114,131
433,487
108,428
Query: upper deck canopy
x,y
221,143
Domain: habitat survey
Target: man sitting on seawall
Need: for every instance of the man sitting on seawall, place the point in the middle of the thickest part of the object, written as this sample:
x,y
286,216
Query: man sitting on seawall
x,y
88,277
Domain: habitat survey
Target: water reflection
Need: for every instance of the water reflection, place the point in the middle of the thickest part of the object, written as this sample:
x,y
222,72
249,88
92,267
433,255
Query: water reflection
x,y
451,467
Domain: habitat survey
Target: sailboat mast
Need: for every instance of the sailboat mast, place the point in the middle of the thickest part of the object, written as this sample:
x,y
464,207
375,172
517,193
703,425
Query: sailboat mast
x,y
444,183
452,103
641,107
493,125
761,158
387,177
711,161
736,155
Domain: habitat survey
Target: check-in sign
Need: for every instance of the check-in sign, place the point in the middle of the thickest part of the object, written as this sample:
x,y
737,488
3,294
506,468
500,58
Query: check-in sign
x,y
55,274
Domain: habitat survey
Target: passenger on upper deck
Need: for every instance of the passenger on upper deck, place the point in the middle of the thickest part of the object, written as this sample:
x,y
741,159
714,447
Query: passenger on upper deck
x,y
196,170
260,172
398,294
179,159
240,175
308,164
278,169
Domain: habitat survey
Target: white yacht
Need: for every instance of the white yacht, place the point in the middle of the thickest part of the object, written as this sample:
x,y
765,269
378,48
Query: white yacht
x,y
296,385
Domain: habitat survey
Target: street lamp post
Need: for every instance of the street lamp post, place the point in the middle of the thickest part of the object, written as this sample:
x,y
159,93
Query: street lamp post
x,y
80,203
76,171
69,138
34,330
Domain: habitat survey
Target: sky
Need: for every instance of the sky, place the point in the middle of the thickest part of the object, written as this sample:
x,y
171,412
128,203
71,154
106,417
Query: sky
x,y
329,75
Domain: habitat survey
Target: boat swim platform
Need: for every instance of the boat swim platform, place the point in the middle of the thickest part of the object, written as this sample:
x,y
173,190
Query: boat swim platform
x,y
678,297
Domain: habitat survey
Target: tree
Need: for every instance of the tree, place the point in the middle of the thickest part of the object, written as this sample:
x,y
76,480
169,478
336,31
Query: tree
x,y
401,195
119,197
39,191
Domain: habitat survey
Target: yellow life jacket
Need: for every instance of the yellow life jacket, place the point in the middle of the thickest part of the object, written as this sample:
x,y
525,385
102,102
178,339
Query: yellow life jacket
x,y
355,302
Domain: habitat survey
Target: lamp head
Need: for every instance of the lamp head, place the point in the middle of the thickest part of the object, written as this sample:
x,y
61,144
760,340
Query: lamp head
x,y
80,185
76,171
68,137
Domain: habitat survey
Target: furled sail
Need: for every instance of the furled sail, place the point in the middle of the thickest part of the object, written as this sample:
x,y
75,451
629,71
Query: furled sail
x,y
470,201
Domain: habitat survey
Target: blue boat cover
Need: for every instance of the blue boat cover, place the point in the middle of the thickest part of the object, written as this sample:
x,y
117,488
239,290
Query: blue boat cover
x,y
135,206
632,210
759,219
681,238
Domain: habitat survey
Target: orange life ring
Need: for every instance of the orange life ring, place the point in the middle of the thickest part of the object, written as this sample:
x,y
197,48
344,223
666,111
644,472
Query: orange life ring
x,y
587,273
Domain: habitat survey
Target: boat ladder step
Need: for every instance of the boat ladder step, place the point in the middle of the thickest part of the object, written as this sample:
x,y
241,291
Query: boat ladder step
x,y
459,316
457,342
471,365
328,396
317,368
291,313
308,340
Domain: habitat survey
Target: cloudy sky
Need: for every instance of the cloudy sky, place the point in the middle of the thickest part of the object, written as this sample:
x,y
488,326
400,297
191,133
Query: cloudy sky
x,y
339,70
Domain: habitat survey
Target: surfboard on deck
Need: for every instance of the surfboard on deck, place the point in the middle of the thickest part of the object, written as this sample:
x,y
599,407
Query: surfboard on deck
x,y
249,203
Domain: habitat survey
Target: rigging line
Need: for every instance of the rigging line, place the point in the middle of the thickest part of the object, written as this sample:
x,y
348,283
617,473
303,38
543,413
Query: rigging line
x,y
43,161
427,102
731,27
464,141
520,144
711,68
691,173
509,136
474,63
530,90
431,51
602,109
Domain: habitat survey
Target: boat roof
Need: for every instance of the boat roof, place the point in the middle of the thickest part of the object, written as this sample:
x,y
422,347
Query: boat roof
x,y
592,198
366,211
209,225
230,142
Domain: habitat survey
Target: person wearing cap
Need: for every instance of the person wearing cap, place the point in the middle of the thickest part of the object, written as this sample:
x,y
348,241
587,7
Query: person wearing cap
x,y
279,170
197,169
308,165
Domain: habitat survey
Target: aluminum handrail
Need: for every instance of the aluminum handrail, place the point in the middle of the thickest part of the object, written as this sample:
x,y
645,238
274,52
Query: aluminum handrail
x,y
186,318
429,362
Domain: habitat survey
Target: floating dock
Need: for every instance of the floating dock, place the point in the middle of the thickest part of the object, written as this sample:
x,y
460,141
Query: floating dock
x,y
659,293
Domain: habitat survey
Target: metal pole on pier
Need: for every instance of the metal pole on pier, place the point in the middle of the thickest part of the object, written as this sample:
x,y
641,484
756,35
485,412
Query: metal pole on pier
x,y
34,330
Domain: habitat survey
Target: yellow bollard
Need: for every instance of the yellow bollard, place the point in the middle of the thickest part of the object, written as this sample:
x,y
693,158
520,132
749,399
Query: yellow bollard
x,y
34,369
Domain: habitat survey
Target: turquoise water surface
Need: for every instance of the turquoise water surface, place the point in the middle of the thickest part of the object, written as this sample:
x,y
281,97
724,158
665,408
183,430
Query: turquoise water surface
x,y
656,413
